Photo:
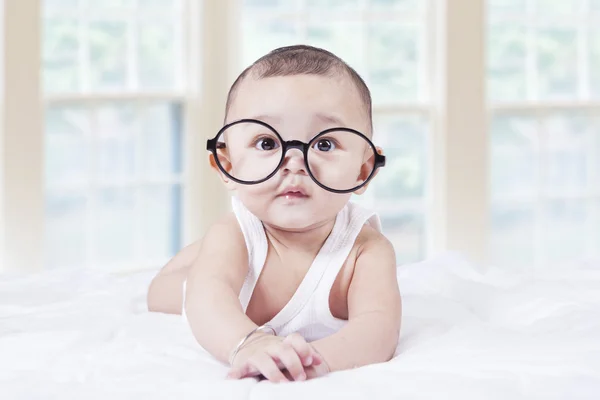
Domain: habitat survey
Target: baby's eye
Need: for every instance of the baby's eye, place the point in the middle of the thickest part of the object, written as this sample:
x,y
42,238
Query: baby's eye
x,y
266,144
324,145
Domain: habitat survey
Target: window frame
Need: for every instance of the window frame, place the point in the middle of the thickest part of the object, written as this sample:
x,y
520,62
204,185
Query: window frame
x,y
538,109
21,137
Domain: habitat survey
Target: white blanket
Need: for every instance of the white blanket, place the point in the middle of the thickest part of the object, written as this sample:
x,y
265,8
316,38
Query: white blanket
x,y
465,335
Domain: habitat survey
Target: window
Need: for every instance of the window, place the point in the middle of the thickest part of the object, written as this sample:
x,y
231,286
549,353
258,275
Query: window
x,y
387,42
544,92
113,84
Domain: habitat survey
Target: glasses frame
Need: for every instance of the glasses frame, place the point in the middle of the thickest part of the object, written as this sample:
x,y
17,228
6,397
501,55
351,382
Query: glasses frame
x,y
212,146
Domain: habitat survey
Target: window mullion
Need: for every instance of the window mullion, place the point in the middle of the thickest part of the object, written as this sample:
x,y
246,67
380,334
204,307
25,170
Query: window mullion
x,y
21,138
593,185
132,45
138,187
583,56
530,54
460,154
212,52
538,205
91,190
83,51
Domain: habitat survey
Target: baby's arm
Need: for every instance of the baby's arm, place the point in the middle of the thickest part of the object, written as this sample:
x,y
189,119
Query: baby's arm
x,y
215,278
165,293
217,319
374,307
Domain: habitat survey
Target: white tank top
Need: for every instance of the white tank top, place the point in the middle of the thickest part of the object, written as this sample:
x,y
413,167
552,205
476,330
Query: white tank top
x,y
307,312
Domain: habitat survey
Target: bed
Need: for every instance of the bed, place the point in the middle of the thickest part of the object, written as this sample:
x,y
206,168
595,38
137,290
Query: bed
x,y
467,333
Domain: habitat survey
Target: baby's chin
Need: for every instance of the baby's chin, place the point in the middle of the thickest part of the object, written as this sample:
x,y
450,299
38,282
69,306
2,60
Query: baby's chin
x,y
292,223
295,219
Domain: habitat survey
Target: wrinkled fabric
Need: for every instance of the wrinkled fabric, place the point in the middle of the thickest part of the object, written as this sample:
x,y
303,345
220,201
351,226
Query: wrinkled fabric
x,y
467,333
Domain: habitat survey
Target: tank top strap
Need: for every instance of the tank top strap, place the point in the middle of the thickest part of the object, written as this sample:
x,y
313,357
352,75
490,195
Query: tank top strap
x,y
354,218
256,245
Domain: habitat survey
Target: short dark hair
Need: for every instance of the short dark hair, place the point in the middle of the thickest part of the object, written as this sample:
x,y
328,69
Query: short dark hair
x,y
303,60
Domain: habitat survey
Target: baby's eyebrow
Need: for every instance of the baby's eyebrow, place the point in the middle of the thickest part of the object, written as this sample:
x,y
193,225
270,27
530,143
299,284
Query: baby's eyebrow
x,y
329,119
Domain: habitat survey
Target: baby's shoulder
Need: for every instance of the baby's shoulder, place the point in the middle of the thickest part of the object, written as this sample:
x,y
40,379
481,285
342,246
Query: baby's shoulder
x,y
226,229
371,239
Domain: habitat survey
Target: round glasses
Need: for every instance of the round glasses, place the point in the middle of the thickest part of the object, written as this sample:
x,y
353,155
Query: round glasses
x,y
339,160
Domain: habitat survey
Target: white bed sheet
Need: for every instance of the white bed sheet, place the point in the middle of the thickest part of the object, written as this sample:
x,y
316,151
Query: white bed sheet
x,y
465,335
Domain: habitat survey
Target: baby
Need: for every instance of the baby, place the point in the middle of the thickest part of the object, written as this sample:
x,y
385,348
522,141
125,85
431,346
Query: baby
x,y
297,281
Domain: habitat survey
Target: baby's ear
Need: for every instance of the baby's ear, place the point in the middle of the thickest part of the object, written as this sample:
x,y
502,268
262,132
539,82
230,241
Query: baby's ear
x,y
366,169
226,165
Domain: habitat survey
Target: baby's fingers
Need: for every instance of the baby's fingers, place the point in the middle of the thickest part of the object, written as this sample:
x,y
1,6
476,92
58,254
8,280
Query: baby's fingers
x,y
304,350
290,360
268,368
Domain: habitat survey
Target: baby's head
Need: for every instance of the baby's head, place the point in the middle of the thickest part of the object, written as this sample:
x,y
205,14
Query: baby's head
x,y
299,94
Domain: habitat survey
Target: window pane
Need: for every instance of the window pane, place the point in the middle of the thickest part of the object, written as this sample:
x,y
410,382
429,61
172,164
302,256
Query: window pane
x,y
108,5
512,235
116,47
115,142
567,153
65,239
507,62
114,225
162,221
60,55
558,7
396,5
158,7
108,55
156,56
403,140
161,140
67,145
262,6
331,5
123,134
564,233
557,63
393,63
501,6
513,162
130,143
61,5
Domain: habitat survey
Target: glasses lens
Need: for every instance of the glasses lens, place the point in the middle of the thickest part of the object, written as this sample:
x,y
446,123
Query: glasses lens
x,y
341,160
248,151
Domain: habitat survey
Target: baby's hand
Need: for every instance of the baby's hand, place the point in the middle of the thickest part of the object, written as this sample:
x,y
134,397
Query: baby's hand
x,y
268,355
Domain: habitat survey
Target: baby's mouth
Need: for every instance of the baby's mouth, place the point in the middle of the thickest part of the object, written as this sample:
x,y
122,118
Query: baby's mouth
x,y
293,194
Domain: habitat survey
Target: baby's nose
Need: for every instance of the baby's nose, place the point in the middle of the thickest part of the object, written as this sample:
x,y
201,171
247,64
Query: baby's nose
x,y
294,161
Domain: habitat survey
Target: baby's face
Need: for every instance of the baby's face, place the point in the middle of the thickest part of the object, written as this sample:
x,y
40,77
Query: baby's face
x,y
298,108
